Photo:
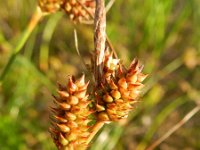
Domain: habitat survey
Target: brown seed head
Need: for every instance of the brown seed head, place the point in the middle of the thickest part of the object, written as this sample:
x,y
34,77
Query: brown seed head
x,y
79,11
70,116
50,6
123,85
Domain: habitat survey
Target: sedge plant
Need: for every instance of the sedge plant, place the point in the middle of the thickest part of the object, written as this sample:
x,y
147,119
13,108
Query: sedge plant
x,y
79,113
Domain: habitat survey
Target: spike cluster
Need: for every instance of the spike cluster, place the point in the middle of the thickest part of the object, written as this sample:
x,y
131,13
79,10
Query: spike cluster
x,y
50,6
77,10
120,89
70,120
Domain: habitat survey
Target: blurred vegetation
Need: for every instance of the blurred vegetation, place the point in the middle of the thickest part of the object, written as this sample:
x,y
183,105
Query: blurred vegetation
x,y
163,34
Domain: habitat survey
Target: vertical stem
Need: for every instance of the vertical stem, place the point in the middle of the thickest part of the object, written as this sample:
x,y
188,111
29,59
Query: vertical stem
x,y
32,24
99,38
99,46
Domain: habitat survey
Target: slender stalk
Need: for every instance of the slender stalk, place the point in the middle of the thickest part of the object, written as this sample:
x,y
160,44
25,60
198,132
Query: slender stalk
x,y
109,5
99,38
94,131
99,45
46,38
32,24
92,16
176,127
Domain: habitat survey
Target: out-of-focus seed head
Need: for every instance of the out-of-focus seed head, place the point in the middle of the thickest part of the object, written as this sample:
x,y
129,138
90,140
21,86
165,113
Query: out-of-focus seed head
x,y
79,11
50,6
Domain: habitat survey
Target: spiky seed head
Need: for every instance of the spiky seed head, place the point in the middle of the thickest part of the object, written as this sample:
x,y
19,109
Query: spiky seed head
x,y
70,116
123,85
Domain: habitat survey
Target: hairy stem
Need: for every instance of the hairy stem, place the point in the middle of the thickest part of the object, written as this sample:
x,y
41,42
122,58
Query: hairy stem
x,y
99,38
92,16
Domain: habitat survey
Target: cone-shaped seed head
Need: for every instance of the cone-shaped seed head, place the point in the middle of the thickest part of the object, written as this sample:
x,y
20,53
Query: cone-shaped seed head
x,y
121,88
70,116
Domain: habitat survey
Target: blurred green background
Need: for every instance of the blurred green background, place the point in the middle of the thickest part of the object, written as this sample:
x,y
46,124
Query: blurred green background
x,y
163,34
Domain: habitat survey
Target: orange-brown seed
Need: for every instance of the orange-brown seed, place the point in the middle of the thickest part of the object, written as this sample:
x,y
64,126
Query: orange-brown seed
x,y
72,124
131,78
103,116
100,107
112,85
141,77
115,94
63,140
64,106
122,83
70,116
73,100
63,128
63,94
80,82
107,98
80,94
72,136
134,94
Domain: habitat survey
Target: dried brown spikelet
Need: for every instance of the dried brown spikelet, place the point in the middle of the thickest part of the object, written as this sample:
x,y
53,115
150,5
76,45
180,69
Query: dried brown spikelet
x,y
50,6
120,89
79,10
69,118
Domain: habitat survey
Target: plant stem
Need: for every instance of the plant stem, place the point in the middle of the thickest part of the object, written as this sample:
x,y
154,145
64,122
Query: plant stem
x,y
32,24
99,47
99,38
92,16
176,127
94,130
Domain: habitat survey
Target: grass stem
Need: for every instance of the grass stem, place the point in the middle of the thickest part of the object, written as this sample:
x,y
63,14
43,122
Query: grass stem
x,y
174,128
32,24
94,130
